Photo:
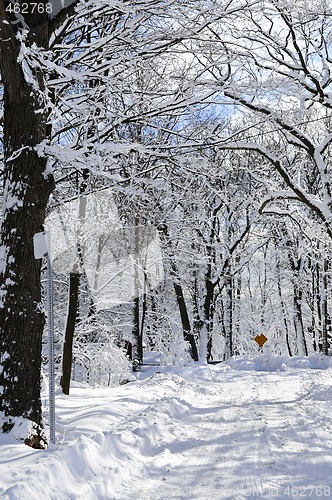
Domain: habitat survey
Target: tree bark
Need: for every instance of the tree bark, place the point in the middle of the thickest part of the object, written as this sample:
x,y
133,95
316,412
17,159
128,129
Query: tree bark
x,y
326,330
283,308
67,357
188,335
27,187
301,343
228,317
137,348
208,313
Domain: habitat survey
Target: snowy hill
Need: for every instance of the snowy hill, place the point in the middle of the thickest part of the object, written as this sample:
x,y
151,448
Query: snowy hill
x,y
248,428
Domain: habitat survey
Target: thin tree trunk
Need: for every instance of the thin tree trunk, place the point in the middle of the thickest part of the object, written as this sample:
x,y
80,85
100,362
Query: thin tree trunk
x,y
298,322
283,308
137,346
208,315
318,336
188,335
137,351
297,264
144,302
326,330
228,319
237,284
67,357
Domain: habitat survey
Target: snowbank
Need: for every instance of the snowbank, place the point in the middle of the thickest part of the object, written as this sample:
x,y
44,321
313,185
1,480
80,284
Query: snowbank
x,y
246,428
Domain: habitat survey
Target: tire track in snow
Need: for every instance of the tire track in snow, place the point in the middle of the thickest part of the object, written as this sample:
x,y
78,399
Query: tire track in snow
x,y
239,439
230,430
289,433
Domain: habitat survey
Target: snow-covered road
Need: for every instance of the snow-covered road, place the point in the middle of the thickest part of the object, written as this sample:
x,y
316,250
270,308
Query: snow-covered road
x,y
239,430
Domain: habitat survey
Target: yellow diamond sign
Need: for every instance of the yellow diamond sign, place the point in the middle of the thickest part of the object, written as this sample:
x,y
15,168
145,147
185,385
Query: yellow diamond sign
x,y
260,339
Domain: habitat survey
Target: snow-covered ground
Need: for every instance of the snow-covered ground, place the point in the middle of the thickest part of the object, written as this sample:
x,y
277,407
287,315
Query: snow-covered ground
x,y
248,428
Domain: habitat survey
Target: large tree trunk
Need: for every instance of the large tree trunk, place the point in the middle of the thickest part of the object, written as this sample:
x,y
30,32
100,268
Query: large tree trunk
x,y
26,191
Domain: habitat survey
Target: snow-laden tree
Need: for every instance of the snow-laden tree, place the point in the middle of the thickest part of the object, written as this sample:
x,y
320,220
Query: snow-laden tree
x,y
66,74
35,49
275,63
27,185
272,64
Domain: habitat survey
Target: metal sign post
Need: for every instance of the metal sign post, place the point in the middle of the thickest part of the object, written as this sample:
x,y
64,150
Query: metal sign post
x,y
50,322
42,248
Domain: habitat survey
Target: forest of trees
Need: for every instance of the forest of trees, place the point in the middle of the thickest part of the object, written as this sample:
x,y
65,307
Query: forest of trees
x,y
180,155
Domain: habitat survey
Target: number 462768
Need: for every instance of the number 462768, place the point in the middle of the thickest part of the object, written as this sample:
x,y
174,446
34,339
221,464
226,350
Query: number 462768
x,y
29,8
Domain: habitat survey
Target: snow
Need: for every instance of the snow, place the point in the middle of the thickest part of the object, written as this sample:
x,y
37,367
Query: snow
x,y
58,5
243,429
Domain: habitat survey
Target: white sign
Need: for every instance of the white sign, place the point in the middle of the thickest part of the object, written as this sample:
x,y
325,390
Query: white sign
x,y
40,245
89,232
